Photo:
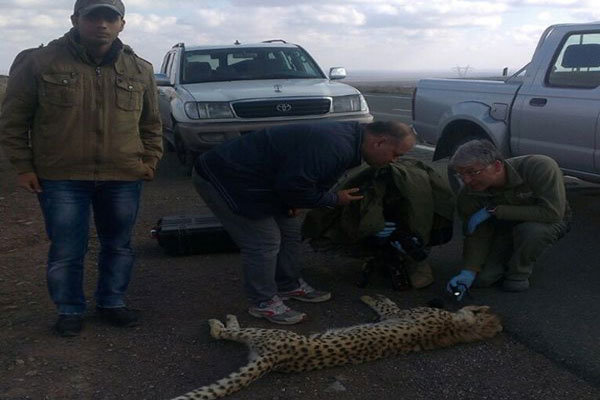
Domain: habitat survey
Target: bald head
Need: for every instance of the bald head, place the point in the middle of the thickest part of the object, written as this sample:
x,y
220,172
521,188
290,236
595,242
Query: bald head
x,y
385,141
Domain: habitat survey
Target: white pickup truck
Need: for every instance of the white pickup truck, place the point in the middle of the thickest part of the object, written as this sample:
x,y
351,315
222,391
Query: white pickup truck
x,y
551,106
210,94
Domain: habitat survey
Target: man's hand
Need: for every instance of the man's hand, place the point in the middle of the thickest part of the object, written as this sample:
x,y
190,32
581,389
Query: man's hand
x,y
29,181
462,282
477,218
149,175
347,196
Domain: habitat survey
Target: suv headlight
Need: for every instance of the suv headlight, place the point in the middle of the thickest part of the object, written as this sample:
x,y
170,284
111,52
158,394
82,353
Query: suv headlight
x,y
355,102
196,110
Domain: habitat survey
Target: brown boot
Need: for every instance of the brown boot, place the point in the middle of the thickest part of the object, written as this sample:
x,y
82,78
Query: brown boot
x,y
419,273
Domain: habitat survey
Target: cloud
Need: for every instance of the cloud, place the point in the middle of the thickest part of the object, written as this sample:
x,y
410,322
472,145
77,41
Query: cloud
x,y
360,34
151,23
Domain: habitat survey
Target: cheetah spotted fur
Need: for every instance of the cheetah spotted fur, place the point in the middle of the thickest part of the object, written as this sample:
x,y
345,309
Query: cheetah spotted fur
x,y
398,331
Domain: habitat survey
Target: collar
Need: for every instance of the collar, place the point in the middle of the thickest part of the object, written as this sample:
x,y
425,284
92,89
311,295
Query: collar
x,y
512,176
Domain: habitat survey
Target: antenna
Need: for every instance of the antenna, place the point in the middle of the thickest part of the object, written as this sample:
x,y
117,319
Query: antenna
x,y
462,71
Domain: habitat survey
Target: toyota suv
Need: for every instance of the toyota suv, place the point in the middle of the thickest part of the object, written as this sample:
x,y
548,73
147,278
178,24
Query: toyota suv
x,y
210,94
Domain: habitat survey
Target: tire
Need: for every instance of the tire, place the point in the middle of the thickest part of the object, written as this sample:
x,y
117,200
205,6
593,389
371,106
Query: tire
x,y
455,182
167,146
185,156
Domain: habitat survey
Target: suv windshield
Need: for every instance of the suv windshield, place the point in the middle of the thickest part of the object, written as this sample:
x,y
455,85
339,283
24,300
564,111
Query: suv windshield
x,y
214,65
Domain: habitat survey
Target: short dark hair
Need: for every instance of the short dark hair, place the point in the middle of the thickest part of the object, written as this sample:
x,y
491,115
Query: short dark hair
x,y
394,129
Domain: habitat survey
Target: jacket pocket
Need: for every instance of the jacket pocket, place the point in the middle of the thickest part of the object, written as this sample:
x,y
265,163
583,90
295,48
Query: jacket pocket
x,y
129,94
61,89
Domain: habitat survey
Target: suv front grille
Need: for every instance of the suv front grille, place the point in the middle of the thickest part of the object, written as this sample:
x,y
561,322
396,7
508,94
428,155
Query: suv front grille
x,y
281,108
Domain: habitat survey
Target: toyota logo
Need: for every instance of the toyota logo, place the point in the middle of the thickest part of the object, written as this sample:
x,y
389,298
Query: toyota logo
x,y
284,107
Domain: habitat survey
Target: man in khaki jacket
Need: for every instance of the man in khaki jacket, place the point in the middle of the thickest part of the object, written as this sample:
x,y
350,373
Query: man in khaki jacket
x,y
512,211
80,124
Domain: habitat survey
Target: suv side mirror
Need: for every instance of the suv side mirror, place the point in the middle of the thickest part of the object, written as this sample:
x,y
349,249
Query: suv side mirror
x,y
337,73
162,80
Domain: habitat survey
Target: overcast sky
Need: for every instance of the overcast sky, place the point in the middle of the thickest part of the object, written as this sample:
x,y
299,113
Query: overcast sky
x,y
398,35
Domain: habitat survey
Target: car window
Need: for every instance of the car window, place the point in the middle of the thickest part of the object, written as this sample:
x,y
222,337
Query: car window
x,y
213,65
166,63
577,64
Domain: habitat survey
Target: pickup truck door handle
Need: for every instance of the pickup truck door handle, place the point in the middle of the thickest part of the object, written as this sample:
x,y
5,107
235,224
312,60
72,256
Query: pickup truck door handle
x,y
538,102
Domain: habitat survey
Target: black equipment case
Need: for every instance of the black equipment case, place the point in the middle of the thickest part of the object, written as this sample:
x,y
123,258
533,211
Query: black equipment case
x,y
185,235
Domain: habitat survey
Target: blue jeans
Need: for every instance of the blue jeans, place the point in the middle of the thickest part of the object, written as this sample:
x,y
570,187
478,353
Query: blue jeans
x,y
66,208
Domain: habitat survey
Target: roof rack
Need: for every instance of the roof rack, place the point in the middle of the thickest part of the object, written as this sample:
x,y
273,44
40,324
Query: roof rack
x,y
274,40
181,44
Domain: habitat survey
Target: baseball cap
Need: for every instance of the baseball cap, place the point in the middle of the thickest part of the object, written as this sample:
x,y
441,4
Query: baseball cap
x,y
83,7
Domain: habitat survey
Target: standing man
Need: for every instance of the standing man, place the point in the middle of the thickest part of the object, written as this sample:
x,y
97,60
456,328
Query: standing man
x,y
512,211
80,123
257,184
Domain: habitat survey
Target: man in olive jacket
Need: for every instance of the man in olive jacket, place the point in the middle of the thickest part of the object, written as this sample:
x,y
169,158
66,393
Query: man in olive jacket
x,y
80,124
512,211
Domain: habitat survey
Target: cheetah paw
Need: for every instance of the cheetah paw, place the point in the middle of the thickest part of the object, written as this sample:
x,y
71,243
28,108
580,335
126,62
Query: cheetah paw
x,y
232,322
216,327
367,300
381,298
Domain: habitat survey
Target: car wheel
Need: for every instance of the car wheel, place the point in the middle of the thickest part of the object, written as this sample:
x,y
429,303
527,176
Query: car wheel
x,y
167,146
185,156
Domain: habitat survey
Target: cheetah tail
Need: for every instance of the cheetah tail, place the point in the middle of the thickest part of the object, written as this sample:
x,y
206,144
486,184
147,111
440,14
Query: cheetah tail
x,y
235,381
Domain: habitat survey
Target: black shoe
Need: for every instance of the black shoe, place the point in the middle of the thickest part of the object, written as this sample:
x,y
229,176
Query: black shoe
x,y
69,325
120,316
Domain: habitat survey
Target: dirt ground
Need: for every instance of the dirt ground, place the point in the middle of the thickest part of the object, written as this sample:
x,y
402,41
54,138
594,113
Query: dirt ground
x,y
172,352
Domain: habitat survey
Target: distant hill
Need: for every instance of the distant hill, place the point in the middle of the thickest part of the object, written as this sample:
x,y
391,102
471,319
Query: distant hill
x,y
390,87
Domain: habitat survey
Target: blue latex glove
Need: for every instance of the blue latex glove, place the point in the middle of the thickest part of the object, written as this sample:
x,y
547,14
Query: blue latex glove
x,y
477,218
461,283
387,231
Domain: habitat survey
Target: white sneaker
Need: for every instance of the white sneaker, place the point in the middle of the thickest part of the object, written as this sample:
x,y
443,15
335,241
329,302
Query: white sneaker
x,y
307,293
275,311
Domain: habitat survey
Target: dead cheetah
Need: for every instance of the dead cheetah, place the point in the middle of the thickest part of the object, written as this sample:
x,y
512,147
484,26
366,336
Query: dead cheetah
x,y
398,331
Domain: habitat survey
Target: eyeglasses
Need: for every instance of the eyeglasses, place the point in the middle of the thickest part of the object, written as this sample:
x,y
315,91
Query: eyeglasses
x,y
470,174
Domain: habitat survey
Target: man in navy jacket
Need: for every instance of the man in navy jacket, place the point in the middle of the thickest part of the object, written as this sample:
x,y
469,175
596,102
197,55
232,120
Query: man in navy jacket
x,y
257,184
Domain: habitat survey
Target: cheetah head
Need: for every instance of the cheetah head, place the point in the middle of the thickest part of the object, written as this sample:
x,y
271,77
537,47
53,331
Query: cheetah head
x,y
481,320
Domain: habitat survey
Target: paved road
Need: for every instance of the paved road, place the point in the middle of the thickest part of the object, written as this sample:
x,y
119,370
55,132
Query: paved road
x,y
387,107
549,350
558,316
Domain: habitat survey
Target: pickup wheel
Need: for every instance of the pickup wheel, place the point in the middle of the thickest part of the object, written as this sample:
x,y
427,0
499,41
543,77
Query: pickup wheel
x,y
455,182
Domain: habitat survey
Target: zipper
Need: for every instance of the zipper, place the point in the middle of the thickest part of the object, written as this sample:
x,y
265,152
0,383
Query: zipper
x,y
99,92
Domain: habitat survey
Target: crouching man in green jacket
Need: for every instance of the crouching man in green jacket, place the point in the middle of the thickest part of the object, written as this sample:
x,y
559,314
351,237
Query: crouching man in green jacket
x,y
512,210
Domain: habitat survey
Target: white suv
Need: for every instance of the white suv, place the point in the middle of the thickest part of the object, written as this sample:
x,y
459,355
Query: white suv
x,y
209,94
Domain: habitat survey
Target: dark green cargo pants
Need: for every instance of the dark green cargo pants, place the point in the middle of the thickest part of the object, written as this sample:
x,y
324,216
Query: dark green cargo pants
x,y
515,248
